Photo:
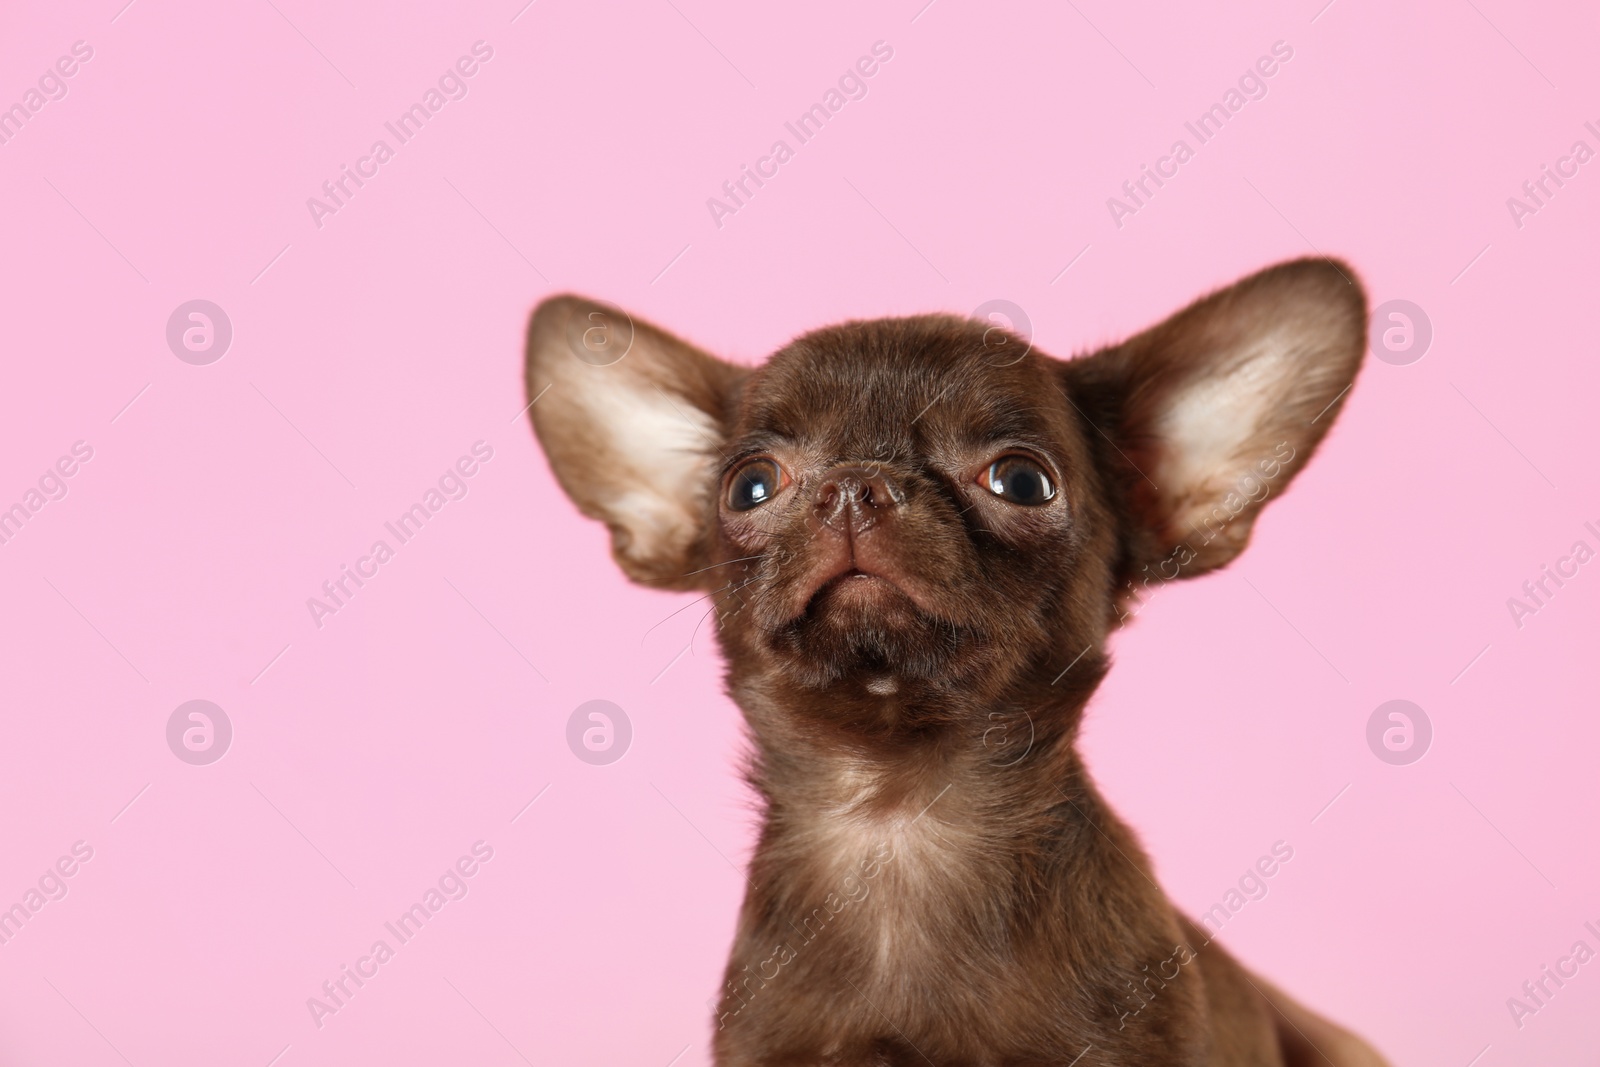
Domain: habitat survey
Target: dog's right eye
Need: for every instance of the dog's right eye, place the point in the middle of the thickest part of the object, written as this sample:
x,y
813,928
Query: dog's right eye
x,y
753,484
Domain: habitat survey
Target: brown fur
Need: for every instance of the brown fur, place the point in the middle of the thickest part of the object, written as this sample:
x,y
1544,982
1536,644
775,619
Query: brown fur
x,y
937,880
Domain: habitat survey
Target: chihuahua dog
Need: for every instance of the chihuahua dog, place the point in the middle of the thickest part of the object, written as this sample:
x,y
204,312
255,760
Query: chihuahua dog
x,y
916,532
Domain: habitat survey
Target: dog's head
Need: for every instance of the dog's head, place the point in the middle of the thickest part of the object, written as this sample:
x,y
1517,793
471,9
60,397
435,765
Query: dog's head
x,y
905,506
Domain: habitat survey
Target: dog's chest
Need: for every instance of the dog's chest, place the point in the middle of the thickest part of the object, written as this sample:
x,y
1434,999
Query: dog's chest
x,y
902,887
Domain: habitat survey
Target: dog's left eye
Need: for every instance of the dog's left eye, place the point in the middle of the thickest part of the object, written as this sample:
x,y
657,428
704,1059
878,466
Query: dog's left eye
x,y
754,484
1019,480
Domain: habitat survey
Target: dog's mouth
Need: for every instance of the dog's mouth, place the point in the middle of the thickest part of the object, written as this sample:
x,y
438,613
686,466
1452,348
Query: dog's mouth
x,y
866,625
853,607
855,582
856,615
869,617
852,590
859,595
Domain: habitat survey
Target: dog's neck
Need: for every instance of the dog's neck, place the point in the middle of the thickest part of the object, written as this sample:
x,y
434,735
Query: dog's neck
x,y
941,848
971,778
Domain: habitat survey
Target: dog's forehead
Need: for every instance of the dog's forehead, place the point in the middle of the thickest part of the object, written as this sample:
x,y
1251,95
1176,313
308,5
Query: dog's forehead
x,y
904,384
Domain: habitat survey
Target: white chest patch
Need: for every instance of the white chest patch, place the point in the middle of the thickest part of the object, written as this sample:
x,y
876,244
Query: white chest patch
x,y
895,870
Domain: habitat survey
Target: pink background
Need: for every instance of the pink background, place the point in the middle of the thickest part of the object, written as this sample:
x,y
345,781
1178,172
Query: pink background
x,y
370,754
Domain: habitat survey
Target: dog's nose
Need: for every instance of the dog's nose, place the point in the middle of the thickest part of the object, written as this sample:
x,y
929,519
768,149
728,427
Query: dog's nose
x,y
852,498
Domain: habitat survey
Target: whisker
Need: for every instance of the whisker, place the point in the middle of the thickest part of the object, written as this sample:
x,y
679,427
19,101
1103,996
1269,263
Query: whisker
x,y
720,618
686,607
702,570
737,590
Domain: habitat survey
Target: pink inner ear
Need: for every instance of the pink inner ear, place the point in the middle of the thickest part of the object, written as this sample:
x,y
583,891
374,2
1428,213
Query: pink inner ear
x,y
633,440
1223,402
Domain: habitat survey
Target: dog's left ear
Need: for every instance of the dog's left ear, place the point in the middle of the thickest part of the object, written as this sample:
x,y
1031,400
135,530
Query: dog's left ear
x,y
1201,419
633,426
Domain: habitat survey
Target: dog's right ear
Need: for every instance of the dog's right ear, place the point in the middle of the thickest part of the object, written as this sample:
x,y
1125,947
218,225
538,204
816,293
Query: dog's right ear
x,y
633,421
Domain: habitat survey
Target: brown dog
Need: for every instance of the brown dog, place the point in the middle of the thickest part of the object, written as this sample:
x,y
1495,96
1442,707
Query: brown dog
x,y
917,532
